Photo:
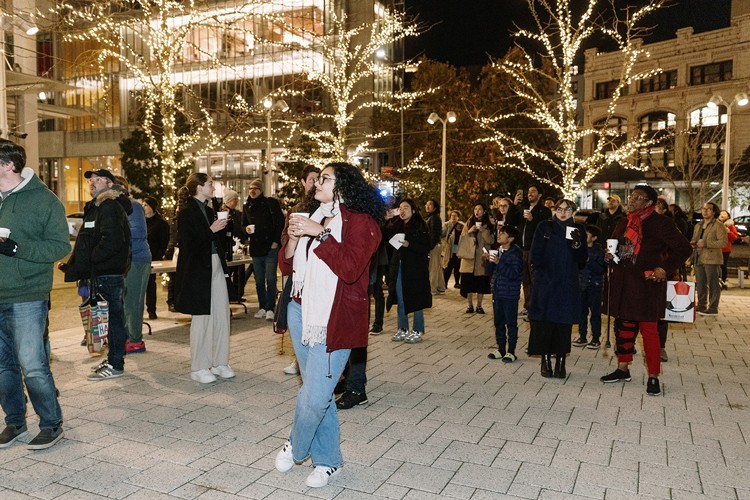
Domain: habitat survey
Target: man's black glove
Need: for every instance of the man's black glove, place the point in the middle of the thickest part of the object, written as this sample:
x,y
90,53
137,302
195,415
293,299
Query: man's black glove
x,y
8,247
575,235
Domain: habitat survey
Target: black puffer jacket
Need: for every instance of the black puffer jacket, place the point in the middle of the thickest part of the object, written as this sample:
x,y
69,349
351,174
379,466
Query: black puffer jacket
x,y
103,243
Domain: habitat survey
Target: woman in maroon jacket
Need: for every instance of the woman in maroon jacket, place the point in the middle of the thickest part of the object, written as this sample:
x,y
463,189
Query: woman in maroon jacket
x,y
328,255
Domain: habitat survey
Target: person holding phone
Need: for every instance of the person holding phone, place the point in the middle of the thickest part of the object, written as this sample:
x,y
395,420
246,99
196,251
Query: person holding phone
x,y
474,277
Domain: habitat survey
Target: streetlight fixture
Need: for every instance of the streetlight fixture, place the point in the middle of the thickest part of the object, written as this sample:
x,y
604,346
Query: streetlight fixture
x,y
271,106
740,99
450,117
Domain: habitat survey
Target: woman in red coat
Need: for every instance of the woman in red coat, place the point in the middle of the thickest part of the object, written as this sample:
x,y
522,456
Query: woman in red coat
x,y
328,256
732,235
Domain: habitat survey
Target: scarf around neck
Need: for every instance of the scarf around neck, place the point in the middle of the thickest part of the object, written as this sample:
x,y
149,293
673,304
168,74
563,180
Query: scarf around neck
x,y
634,232
313,281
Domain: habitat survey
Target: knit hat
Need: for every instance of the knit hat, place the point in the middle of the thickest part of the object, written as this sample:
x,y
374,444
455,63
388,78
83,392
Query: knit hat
x,y
256,183
229,195
151,202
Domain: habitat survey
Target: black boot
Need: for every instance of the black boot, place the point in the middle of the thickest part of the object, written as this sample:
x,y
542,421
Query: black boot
x,y
560,366
546,366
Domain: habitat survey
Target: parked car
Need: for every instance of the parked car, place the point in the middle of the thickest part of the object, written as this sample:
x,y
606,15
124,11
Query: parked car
x,y
75,221
742,223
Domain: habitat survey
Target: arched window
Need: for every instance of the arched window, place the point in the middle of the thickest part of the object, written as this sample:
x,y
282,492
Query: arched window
x,y
615,130
660,124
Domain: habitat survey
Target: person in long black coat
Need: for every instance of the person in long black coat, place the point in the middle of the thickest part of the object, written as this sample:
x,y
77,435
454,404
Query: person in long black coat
x,y
409,274
558,253
200,281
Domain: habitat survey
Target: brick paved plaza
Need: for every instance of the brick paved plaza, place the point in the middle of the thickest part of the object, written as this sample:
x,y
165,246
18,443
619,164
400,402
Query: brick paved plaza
x,y
443,420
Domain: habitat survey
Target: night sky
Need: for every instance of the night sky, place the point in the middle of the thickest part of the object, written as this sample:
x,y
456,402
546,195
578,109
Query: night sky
x,y
465,32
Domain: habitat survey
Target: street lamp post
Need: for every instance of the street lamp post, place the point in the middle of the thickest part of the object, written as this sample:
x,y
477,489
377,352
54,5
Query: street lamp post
x,y
740,99
271,106
450,117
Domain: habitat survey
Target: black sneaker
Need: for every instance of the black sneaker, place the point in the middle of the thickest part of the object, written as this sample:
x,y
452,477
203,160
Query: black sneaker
x,y
340,387
152,316
11,434
46,438
580,342
470,310
480,310
351,399
617,376
376,329
594,344
652,387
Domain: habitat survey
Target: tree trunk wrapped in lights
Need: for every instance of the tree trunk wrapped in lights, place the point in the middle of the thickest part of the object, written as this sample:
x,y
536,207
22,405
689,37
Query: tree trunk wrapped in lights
x,y
547,98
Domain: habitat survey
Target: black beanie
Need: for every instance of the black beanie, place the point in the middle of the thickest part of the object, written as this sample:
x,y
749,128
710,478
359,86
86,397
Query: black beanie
x,y
151,202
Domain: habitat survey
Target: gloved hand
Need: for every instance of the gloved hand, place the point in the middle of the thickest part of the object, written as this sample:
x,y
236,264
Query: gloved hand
x,y
8,247
575,235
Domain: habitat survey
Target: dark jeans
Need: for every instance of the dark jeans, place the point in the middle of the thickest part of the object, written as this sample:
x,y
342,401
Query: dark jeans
x,y
453,266
354,374
151,294
591,300
506,316
724,266
377,293
111,288
265,279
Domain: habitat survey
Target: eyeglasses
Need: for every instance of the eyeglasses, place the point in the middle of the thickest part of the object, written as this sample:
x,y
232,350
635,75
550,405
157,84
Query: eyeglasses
x,y
565,210
323,179
636,197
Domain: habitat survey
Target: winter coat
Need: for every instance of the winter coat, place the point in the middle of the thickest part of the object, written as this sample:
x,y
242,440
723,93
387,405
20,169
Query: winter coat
x,y
451,234
103,243
415,267
592,275
632,296
349,259
36,220
607,222
434,228
539,214
157,230
266,215
139,250
732,235
193,277
556,263
507,274
484,239
715,237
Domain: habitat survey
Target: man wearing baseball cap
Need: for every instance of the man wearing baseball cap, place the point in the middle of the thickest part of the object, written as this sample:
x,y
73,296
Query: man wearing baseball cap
x,y
102,255
610,216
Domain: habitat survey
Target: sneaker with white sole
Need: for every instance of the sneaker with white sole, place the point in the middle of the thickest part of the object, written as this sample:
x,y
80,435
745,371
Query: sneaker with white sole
x,y
414,337
269,315
105,372
222,371
46,438
320,476
400,335
11,434
260,314
203,376
284,458
292,369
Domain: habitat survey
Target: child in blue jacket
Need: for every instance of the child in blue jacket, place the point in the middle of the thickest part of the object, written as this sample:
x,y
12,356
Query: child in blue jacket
x,y
506,272
591,281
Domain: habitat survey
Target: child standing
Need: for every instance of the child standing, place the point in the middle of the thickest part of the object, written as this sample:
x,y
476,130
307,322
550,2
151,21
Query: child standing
x,y
591,281
506,271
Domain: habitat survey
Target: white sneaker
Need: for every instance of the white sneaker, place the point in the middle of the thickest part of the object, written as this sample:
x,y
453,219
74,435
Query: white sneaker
x,y
269,315
292,369
260,314
222,371
284,458
320,476
203,376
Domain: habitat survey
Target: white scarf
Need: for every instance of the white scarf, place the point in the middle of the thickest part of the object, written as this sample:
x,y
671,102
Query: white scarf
x,y
312,279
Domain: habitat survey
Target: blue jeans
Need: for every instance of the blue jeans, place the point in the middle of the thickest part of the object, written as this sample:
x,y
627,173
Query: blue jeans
x,y
403,318
112,288
591,299
23,350
315,430
506,316
135,295
265,279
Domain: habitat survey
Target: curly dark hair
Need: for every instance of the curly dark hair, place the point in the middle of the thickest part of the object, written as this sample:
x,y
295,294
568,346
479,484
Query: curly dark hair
x,y
353,190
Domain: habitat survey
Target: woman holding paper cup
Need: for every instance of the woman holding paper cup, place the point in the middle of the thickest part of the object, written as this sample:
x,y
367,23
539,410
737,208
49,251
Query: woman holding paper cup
x,y
409,274
474,277
558,253
328,256
200,283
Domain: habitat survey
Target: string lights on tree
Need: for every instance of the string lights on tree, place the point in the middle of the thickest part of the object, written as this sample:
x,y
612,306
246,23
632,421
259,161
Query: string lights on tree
x,y
547,99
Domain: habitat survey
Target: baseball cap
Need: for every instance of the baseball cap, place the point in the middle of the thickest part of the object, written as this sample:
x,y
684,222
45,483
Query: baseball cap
x,y
102,172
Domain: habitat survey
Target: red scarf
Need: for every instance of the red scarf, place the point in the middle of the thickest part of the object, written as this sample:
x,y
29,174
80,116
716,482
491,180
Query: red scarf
x,y
634,231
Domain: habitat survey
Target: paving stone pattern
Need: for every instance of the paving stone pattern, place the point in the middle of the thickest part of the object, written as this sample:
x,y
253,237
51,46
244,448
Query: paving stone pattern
x,y
443,420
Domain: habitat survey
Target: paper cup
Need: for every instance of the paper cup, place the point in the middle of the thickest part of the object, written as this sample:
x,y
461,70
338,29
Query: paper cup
x,y
300,214
500,223
612,246
4,233
494,253
569,232
526,211
222,215
396,212
479,225
251,229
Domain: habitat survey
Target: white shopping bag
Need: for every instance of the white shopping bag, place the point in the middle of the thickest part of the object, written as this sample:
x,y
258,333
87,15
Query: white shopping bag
x,y
680,301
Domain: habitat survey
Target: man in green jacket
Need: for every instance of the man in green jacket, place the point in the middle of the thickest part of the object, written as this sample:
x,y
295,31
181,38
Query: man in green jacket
x,y
34,235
